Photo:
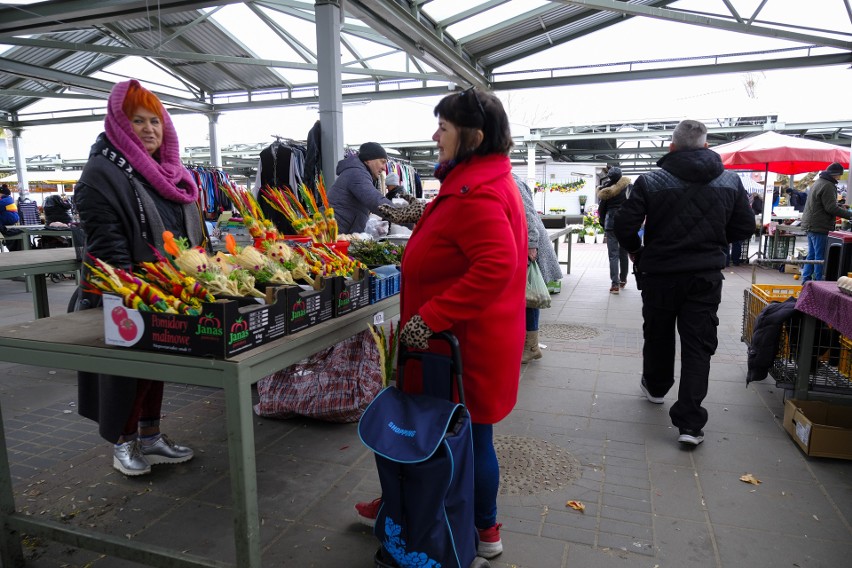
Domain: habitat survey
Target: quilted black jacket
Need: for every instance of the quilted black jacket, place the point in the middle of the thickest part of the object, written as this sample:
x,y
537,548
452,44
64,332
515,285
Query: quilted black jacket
x,y
690,235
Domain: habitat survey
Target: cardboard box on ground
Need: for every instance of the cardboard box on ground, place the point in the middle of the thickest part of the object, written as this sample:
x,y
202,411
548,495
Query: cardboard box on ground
x,y
820,429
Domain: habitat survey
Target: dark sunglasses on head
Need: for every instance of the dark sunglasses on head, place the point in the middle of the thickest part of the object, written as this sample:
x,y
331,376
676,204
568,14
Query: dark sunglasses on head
x,y
476,98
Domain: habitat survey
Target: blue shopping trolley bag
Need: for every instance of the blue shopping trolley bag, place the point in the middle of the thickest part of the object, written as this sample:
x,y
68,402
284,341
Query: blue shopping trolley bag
x,y
424,456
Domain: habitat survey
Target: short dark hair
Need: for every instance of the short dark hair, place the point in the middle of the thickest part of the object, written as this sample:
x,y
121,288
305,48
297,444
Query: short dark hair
x,y
471,110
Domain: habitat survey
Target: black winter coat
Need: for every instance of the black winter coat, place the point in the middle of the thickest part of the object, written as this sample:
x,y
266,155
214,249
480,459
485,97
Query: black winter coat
x,y
121,231
57,210
765,336
611,197
690,235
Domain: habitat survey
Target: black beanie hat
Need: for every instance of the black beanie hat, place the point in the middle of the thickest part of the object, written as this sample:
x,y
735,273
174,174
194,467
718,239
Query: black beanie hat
x,y
371,151
4,190
614,174
834,169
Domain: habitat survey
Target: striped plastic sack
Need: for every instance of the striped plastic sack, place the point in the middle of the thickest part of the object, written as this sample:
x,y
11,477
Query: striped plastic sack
x,y
336,384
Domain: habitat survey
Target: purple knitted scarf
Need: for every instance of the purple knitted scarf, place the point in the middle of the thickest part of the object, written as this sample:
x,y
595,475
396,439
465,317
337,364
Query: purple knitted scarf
x,y
167,175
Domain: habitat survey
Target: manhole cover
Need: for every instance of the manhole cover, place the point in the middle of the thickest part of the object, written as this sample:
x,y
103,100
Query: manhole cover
x,y
568,331
529,466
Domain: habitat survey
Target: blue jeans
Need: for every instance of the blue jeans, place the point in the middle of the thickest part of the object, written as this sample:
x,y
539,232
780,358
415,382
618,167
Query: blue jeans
x,y
486,476
734,253
617,259
816,251
532,319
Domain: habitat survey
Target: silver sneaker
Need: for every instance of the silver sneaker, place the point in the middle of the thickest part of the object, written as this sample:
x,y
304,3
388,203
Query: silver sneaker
x,y
163,450
128,459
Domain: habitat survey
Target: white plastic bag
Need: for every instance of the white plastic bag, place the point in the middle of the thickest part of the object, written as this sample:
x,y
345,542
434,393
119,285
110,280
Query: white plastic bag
x,y
376,227
537,294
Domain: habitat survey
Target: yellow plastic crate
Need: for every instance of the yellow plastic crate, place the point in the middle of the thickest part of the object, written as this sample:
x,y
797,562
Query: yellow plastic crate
x,y
758,298
776,292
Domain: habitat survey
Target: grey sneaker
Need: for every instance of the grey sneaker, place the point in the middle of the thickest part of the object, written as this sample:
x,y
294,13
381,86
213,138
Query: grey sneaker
x,y
651,398
690,437
163,450
128,459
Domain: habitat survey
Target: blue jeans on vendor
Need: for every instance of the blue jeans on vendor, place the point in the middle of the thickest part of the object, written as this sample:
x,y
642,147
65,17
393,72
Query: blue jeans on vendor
x,y
532,319
816,251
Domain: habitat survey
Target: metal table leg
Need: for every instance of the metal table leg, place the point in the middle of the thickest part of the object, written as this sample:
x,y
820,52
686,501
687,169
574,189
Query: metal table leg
x,y
238,408
11,552
38,284
806,349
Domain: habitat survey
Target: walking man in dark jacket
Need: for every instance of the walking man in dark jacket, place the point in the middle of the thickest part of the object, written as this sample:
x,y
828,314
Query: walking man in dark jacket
x,y
692,209
611,194
821,208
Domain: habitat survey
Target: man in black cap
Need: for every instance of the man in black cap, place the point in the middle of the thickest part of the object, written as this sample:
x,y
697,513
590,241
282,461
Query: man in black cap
x,y
818,219
354,195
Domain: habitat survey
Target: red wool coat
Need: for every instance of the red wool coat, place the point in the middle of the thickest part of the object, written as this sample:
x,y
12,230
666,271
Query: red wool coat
x,y
464,270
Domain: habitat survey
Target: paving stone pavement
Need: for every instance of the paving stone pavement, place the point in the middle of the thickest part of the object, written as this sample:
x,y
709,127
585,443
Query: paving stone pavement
x,y
648,503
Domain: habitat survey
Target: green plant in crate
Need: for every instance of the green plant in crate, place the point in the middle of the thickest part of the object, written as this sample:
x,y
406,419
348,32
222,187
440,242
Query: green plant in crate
x,y
376,253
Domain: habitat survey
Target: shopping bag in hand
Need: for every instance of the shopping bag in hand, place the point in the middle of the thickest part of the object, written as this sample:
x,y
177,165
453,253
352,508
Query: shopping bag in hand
x,y
537,294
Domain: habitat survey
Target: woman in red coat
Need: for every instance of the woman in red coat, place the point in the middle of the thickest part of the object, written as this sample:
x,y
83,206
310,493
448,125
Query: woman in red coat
x,y
464,270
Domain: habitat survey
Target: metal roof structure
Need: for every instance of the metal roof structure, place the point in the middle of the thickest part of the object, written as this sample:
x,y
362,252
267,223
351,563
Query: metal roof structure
x,y
219,56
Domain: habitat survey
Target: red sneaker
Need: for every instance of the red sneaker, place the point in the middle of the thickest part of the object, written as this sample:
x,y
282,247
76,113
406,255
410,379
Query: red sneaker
x,y
367,511
490,544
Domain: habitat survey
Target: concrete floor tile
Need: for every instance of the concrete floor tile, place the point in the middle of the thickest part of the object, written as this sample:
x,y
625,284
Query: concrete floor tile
x,y
687,544
764,546
522,550
594,557
787,507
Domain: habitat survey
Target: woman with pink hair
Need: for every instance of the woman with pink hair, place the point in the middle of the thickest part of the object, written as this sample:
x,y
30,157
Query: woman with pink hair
x,y
133,188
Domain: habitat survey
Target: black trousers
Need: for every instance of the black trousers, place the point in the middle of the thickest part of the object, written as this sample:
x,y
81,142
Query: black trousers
x,y
688,303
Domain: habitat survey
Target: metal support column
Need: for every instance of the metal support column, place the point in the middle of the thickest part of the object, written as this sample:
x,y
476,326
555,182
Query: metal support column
x,y
531,165
20,163
328,22
213,129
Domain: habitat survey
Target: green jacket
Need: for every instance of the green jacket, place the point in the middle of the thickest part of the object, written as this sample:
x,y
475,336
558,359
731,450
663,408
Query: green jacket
x,y
821,207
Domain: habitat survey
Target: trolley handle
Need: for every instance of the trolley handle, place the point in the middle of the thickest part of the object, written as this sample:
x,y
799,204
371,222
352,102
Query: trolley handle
x,y
404,354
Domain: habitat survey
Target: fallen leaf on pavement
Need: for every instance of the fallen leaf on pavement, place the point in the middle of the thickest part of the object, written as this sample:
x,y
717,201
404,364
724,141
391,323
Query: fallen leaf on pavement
x,y
576,505
749,478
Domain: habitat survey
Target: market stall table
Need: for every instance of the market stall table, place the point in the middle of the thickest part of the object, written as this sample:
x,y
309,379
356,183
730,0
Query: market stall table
x,y
29,231
819,301
555,235
35,265
75,342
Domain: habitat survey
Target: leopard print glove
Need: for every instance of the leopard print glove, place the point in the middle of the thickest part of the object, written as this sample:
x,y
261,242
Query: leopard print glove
x,y
401,215
415,333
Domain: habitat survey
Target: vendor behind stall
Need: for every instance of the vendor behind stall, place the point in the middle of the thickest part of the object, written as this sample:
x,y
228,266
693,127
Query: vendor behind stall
x,y
354,195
